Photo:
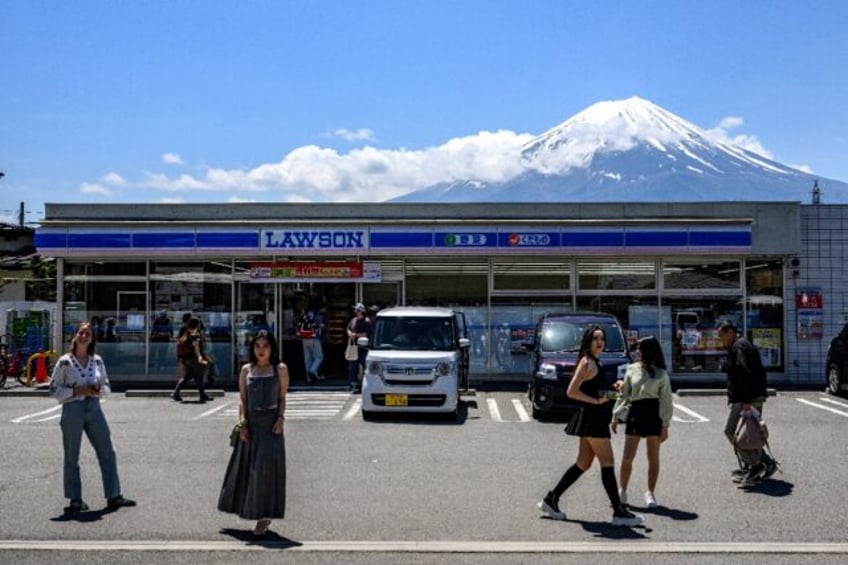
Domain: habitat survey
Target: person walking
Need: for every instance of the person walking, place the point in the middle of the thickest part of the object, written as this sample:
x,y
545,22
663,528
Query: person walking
x,y
310,329
78,382
593,430
746,391
254,485
646,398
359,326
193,359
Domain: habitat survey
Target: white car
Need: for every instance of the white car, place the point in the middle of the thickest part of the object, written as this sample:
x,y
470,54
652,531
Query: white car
x,y
417,361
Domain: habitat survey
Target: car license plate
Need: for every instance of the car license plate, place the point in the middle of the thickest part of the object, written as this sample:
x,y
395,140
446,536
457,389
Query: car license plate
x,y
397,400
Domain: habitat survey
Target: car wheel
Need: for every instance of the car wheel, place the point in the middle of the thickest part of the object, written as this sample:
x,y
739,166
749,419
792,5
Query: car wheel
x,y
833,380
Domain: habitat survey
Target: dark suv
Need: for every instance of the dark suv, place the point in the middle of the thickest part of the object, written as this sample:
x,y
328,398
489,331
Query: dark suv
x,y
837,363
554,356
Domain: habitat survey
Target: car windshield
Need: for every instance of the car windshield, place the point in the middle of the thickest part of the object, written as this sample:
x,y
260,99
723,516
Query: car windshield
x,y
411,333
561,335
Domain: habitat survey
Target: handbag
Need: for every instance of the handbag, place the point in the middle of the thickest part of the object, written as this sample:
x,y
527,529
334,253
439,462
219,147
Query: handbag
x,y
352,351
751,434
575,423
234,435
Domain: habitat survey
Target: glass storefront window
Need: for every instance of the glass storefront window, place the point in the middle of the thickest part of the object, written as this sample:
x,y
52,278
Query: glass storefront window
x,y
639,316
117,312
531,275
447,282
695,347
513,327
689,275
616,274
103,269
764,311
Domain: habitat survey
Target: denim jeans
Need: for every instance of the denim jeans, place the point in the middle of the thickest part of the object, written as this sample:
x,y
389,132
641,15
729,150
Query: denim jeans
x,y
353,367
86,416
313,355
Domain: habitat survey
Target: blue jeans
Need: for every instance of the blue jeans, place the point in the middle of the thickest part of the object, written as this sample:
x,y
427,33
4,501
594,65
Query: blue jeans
x,y
313,355
353,367
86,416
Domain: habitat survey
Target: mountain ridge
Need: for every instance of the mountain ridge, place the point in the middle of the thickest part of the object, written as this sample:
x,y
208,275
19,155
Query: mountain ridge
x,y
633,149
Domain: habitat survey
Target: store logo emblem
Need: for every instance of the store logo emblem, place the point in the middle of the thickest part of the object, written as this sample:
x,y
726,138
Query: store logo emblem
x,y
529,239
286,239
465,240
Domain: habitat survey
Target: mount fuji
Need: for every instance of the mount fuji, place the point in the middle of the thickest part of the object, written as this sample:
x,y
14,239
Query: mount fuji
x,y
635,151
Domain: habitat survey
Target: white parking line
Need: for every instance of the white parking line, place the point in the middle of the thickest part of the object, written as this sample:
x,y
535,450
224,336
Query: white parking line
x,y
357,404
519,408
832,401
214,410
37,414
822,407
493,409
698,418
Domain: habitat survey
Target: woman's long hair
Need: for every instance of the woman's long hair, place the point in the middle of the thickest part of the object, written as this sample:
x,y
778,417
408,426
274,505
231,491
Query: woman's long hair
x,y
91,343
275,352
651,354
586,344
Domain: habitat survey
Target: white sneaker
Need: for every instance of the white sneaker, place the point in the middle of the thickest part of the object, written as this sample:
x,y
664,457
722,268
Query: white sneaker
x,y
650,500
626,518
550,507
622,495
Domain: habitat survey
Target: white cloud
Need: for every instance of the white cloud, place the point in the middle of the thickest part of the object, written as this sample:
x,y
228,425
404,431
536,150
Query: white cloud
x,y
805,168
317,174
361,134
113,179
748,142
172,159
95,188
171,200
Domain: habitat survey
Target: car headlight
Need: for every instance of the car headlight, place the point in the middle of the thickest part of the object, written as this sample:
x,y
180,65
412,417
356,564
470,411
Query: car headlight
x,y
443,369
375,368
547,371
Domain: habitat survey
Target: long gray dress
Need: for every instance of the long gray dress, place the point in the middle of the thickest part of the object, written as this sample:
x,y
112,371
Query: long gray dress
x,y
255,482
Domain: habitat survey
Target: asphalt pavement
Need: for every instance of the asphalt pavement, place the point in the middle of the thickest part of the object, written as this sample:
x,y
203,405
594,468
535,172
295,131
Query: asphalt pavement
x,y
426,489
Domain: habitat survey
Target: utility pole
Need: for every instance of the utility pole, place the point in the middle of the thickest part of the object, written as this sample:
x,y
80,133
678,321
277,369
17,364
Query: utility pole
x,y
21,215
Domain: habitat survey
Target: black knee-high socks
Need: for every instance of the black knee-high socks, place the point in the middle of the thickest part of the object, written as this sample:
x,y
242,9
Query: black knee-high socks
x,y
571,474
611,486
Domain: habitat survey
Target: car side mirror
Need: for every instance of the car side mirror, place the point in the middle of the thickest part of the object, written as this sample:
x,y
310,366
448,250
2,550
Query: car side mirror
x,y
362,342
464,342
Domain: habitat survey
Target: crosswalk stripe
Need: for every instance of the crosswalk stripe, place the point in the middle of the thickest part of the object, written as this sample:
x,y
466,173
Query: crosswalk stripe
x,y
357,404
833,401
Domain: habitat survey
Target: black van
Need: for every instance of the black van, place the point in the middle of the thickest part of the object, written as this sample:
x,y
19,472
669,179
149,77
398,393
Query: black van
x,y
554,356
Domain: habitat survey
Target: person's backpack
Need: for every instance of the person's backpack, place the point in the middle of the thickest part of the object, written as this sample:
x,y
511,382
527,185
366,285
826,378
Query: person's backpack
x,y
185,347
307,328
752,432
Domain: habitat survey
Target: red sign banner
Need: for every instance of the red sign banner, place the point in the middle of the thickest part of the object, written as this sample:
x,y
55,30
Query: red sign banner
x,y
307,270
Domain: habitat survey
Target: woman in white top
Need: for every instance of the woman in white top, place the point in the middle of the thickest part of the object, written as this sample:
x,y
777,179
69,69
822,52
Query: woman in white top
x,y
78,382
646,398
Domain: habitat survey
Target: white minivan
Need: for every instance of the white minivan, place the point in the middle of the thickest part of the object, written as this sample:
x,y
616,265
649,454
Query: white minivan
x,y
417,361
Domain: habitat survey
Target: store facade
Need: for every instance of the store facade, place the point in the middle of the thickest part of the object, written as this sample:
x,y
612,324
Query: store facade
x,y
671,270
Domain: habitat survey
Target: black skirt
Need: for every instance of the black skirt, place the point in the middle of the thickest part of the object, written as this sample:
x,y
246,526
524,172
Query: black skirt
x,y
596,420
644,418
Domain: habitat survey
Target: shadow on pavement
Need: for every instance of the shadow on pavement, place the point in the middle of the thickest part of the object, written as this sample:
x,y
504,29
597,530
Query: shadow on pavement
x,y
772,487
83,517
271,538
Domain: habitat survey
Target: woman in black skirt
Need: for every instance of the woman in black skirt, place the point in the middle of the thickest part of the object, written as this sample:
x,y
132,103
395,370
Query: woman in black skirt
x,y
255,482
594,432
646,390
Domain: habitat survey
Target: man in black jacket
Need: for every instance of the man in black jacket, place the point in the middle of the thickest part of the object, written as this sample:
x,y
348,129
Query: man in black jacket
x,y
746,391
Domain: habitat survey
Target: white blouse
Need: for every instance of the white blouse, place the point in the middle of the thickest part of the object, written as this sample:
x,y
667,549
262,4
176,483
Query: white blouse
x,y
68,373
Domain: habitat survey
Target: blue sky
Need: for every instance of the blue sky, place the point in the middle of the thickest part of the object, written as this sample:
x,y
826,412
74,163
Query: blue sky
x,y
323,101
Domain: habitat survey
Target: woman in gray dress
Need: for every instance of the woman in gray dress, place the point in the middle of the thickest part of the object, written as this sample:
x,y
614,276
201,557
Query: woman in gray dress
x,y
255,482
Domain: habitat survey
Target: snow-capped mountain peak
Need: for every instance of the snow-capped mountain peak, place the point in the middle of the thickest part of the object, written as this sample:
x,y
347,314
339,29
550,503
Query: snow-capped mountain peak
x,y
621,150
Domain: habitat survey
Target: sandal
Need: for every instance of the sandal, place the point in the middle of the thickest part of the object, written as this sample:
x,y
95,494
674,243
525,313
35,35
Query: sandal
x,y
261,528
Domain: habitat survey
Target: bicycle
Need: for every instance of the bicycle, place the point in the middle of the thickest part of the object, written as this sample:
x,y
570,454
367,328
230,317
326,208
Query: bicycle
x,y
14,366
